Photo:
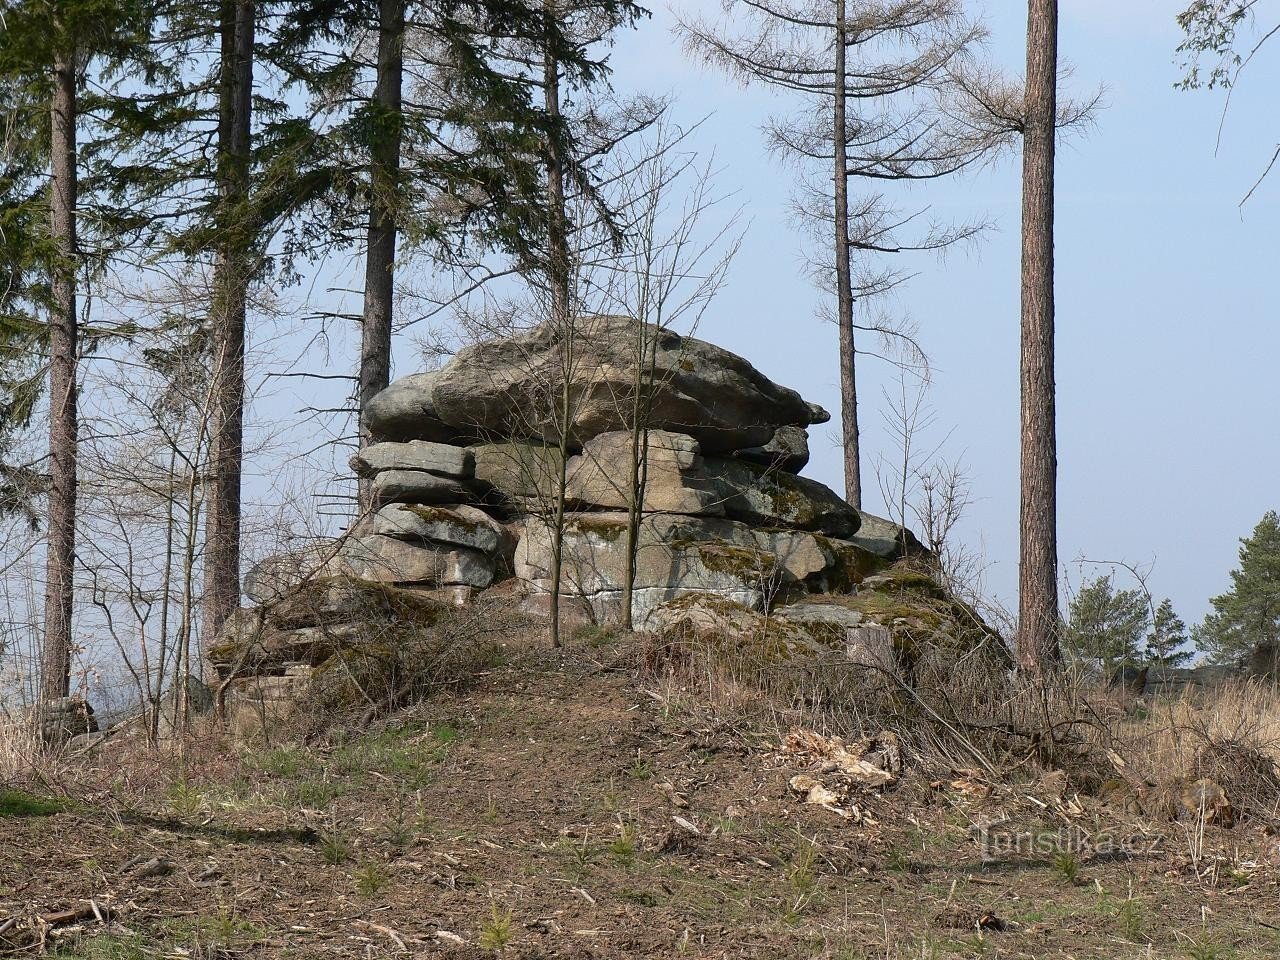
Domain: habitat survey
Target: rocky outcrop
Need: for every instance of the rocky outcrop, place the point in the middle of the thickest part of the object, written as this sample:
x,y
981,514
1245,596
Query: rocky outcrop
x,y
464,483
59,720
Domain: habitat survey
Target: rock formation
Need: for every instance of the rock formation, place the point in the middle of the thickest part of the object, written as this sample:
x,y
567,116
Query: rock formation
x,y
464,476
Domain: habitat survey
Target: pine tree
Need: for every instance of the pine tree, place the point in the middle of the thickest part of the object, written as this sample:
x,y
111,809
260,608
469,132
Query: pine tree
x,y
1038,615
1167,638
1248,615
1107,625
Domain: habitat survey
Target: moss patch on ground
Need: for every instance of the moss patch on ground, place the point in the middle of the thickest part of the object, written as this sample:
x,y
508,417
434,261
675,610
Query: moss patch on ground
x,y
19,803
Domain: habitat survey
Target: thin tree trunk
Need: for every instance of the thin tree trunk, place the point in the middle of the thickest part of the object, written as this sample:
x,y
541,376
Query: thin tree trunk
x,y
379,268
63,337
844,283
561,313
231,283
1038,559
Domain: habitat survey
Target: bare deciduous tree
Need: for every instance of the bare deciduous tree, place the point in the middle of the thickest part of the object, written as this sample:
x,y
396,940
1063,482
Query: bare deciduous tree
x,y
873,73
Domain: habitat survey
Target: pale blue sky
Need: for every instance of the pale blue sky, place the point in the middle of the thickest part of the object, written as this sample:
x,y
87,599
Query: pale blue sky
x,y
1166,300
1166,304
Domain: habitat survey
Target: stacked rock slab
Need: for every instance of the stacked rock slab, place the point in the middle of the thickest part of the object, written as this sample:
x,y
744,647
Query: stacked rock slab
x,y
468,459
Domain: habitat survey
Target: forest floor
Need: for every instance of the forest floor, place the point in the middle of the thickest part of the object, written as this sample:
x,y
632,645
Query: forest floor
x,y
561,807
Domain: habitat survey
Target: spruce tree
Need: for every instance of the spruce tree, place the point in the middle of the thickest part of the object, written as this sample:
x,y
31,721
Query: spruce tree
x,y
45,51
1107,625
1248,615
1168,637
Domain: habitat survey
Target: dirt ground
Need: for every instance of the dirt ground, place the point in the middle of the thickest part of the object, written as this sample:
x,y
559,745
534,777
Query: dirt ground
x,y
564,808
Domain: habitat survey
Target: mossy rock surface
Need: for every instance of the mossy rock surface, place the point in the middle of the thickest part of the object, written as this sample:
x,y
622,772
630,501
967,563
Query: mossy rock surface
x,y
728,630
919,612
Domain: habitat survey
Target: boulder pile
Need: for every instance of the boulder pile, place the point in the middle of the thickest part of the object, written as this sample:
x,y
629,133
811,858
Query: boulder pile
x,y
468,460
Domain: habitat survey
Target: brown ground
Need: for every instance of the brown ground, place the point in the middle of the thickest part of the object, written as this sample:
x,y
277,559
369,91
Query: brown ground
x,y
532,816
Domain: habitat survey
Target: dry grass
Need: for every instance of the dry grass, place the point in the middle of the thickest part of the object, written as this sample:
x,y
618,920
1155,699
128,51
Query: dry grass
x,y
1228,734
960,714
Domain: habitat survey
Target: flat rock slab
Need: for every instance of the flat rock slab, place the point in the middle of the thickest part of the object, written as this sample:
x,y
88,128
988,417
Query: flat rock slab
x,y
788,450
418,486
508,387
774,498
443,459
457,524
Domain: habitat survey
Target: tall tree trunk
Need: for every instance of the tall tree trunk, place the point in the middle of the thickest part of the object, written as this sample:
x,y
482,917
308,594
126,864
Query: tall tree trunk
x,y
844,283
379,267
231,284
561,310
63,337
1038,557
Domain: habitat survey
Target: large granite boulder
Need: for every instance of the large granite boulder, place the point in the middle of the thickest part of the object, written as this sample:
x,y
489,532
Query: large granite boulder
x,y
887,539
404,411
675,480
508,387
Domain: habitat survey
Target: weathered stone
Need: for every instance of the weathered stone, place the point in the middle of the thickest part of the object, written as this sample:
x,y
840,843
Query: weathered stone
x,y
775,498
719,626
387,560
807,612
517,471
506,387
788,450
244,647
279,574
442,459
674,479
418,486
886,539
325,600
260,709
871,645
404,411
675,556
459,524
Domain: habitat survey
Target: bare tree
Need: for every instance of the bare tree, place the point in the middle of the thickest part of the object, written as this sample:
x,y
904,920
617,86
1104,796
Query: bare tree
x,y
664,277
1038,615
873,72
1229,34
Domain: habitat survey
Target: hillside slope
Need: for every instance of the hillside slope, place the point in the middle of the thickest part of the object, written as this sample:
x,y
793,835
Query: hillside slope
x,y
539,814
